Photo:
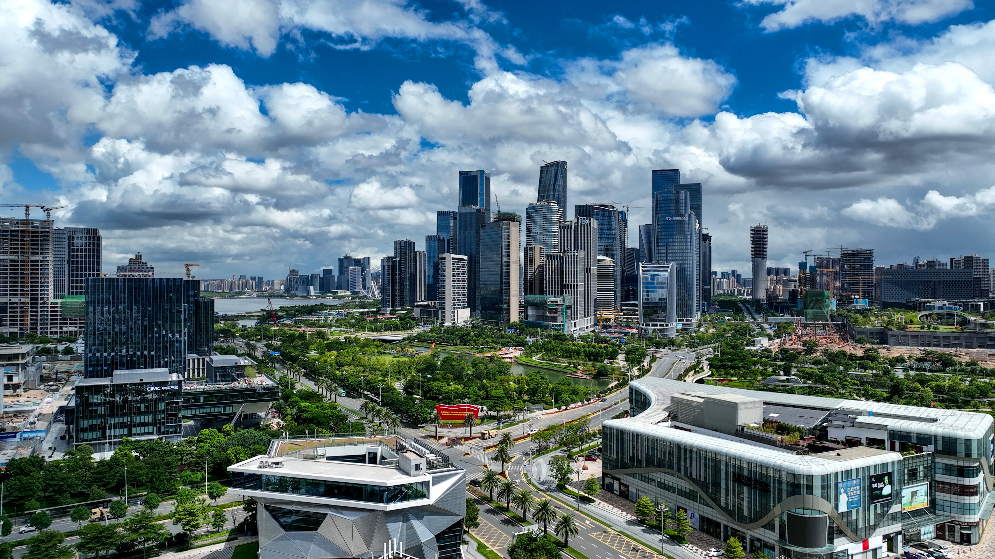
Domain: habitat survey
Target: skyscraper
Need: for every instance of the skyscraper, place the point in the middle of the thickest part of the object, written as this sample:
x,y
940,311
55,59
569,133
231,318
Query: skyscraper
x,y
421,276
435,246
389,284
613,229
646,240
677,238
452,289
856,274
534,269
470,221
553,184
606,299
981,273
136,268
500,242
475,190
758,254
25,275
406,275
347,261
657,294
579,265
445,227
76,255
542,225
706,268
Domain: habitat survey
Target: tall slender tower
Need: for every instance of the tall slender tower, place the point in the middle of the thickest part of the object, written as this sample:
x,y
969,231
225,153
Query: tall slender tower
x,y
677,237
553,184
758,253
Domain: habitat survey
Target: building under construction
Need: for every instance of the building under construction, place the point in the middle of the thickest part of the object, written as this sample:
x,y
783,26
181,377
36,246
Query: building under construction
x,y
856,274
758,254
25,275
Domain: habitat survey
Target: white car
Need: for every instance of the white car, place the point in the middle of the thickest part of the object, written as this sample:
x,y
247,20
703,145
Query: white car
x,y
713,552
26,529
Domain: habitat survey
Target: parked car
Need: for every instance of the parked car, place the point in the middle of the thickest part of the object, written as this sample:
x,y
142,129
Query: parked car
x,y
26,529
713,552
591,458
475,482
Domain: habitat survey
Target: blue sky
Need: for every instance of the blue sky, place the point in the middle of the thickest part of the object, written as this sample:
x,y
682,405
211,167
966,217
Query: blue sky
x,y
256,135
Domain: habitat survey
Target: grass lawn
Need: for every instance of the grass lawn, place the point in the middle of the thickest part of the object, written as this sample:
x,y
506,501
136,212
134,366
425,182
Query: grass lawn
x,y
246,551
481,549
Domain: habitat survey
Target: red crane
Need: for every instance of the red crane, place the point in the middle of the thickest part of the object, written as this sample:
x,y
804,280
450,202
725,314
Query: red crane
x,y
272,313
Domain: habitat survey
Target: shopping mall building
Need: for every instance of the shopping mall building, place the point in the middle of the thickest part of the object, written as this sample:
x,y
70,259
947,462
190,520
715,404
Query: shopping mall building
x,y
801,476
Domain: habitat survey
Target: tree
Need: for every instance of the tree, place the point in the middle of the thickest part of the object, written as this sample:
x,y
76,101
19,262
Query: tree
x,y
544,514
524,500
810,346
591,486
565,527
6,526
560,469
152,501
506,492
472,518
188,512
96,538
759,554
218,519
682,526
79,514
502,455
47,544
528,546
644,509
469,421
490,482
506,440
734,549
144,531
41,520
216,491
119,509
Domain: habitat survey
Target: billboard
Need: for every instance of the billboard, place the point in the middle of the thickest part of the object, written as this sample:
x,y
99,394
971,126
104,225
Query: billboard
x,y
849,495
880,488
915,497
693,518
457,412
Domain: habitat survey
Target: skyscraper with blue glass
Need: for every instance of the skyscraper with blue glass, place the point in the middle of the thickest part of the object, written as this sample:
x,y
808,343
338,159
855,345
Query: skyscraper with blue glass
x,y
677,237
553,185
612,233
475,190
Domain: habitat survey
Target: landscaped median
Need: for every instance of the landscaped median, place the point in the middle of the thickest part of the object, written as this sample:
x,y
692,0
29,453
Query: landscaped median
x,y
481,549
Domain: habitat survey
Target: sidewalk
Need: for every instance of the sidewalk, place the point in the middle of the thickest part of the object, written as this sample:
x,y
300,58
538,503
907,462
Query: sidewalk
x,y
222,550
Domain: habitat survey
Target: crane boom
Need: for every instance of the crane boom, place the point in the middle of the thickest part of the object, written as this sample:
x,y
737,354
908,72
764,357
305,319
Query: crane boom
x,y
272,313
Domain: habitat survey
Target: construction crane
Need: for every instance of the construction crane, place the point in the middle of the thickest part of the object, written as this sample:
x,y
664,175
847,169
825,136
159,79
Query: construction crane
x,y
26,252
187,267
272,312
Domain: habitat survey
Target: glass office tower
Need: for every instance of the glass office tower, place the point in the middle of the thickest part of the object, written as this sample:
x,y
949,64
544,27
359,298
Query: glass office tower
x,y
613,229
542,225
677,237
470,221
657,297
475,189
553,184
445,227
498,282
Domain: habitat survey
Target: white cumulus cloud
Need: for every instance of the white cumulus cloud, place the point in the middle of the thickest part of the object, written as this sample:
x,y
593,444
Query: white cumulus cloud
x,y
795,13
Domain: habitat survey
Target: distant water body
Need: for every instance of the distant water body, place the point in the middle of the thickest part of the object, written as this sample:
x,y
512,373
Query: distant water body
x,y
236,305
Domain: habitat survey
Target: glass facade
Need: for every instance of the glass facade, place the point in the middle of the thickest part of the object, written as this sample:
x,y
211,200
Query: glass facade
x,y
144,323
468,244
107,411
677,236
381,494
553,184
613,230
435,245
542,225
475,189
498,281
657,293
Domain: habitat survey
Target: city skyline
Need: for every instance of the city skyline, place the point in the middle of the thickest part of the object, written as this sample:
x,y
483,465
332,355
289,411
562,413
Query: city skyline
x,y
254,147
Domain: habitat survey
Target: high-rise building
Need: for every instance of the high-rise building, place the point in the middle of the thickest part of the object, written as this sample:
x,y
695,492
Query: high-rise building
x,y
534,270
145,323
542,225
553,184
327,280
470,221
758,254
389,284
446,227
475,190
136,268
677,238
356,278
293,285
646,236
706,268
25,275
657,297
76,255
856,274
405,274
435,246
630,275
452,293
979,265
421,276
498,281
613,230
347,261
579,247
605,298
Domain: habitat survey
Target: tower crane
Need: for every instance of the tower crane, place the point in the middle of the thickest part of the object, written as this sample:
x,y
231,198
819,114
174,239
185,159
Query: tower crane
x,y
187,267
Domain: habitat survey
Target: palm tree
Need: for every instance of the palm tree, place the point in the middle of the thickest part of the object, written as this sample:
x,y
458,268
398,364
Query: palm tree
x,y
544,513
334,388
565,527
502,455
506,440
525,501
506,491
469,422
390,421
490,482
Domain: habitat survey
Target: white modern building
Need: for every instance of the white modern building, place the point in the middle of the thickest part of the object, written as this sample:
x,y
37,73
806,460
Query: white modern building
x,y
351,497
452,289
800,476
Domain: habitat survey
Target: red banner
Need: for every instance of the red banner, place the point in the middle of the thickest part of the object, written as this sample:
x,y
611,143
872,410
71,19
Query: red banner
x,y
457,412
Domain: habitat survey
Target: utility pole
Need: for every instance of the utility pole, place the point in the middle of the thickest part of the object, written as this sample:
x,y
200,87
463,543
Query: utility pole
x,y
125,485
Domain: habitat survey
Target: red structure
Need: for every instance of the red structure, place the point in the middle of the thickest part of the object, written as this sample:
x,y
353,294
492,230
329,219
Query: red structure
x,y
457,412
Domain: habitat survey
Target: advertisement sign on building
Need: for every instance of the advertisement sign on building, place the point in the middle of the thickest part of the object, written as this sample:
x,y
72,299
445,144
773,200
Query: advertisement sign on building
x,y
915,497
880,488
457,412
927,532
693,517
849,495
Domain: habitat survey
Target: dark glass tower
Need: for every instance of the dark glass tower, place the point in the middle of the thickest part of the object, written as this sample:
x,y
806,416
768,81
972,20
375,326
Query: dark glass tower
x,y
445,227
468,238
677,237
475,189
612,233
76,255
498,283
553,185
144,323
